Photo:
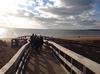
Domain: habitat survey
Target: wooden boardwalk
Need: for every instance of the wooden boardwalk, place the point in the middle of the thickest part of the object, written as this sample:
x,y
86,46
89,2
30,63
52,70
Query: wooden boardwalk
x,y
43,63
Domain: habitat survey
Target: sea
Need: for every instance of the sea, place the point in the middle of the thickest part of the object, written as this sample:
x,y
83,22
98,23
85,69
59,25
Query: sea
x,y
57,32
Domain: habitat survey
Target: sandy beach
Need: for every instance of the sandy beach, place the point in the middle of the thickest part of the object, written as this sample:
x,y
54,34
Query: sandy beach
x,y
77,37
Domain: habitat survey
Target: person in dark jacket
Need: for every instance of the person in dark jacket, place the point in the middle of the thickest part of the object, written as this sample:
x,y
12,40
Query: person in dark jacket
x,y
32,41
36,42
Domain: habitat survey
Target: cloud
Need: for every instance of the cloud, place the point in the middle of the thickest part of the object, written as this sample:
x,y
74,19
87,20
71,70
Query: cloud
x,y
55,7
74,12
65,14
70,7
77,2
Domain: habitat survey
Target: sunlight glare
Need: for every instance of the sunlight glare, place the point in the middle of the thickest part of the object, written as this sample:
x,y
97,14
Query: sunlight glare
x,y
8,6
3,31
11,7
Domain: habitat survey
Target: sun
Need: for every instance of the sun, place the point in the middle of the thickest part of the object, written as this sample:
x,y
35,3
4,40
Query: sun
x,y
3,31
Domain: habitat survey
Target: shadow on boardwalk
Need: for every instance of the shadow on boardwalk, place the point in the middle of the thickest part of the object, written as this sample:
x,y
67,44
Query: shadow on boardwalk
x,y
43,63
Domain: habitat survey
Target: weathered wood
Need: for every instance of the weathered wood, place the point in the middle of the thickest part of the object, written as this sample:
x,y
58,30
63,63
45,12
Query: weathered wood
x,y
14,43
69,64
19,41
12,65
93,66
43,63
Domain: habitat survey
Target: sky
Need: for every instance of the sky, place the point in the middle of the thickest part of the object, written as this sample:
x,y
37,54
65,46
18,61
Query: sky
x,y
50,14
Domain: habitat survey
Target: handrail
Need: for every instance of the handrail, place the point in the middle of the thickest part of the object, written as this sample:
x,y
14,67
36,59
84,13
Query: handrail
x,y
17,59
93,66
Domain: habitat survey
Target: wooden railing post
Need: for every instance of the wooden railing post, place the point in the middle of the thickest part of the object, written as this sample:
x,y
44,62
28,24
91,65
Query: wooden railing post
x,y
87,65
16,64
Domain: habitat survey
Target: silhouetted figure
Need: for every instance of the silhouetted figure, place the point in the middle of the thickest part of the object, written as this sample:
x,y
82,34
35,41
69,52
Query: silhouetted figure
x,y
36,42
41,41
32,41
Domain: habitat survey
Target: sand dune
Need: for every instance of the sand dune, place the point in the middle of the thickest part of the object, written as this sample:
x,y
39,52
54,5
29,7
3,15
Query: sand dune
x,y
6,53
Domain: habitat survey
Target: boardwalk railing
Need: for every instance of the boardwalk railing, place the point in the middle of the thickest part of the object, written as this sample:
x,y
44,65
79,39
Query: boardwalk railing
x,y
17,64
73,62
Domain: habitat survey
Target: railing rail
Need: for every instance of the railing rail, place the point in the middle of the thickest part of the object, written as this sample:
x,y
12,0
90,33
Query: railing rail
x,y
17,64
74,62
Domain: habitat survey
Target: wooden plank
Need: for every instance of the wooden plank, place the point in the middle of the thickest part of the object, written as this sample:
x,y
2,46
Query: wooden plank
x,y
43,64
69,64
93,66
4,69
